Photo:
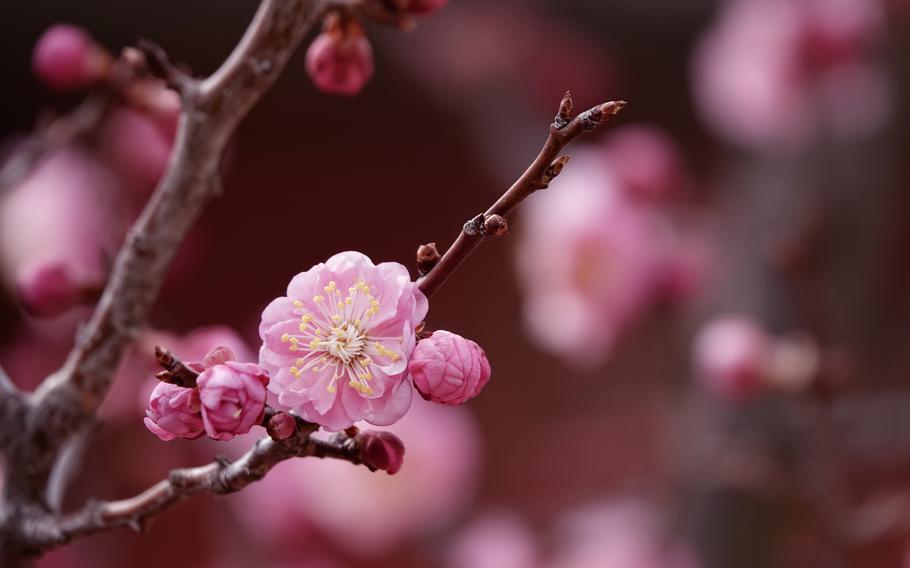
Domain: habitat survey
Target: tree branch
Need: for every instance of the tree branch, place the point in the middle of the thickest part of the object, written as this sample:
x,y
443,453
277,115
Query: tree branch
x,y
538,176
211,110
219,477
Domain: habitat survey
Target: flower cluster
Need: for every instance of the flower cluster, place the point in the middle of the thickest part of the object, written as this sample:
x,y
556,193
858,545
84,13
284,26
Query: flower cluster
x,y
227,401
339,345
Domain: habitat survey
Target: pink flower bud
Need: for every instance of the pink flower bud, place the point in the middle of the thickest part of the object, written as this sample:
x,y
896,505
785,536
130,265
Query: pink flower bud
x,y
281,426
66,58
233,398
218,356
732,356
423,7
173,412
381,450
340,60
449,369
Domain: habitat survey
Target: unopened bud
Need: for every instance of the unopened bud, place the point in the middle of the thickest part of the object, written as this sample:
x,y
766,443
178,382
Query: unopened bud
x,y
381,450
281,426
66,58
495,226
427,257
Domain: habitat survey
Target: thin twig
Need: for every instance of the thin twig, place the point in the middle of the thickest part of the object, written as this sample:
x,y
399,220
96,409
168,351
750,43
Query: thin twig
x,y
538,176
218,477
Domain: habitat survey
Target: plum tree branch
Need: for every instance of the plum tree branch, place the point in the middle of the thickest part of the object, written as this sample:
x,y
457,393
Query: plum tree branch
x,y
211,110
219,477
541,172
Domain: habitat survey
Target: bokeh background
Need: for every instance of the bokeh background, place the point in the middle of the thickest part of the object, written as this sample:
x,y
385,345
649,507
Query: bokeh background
x,y
756,183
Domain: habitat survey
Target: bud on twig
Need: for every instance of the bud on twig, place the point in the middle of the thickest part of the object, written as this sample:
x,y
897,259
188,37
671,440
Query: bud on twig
x,y
427,257
554,170
381,450
564,115
495,226
281,426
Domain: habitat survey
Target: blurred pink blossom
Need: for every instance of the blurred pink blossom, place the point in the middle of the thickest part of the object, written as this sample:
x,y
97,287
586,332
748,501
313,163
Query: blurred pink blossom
x,y
137,147
619,534
448,369
66,58
495,540
591,261
57,231
338,344
775,73
646,162
731,355
436,483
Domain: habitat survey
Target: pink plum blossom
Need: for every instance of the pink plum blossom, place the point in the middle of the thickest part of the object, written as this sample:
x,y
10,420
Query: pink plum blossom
x,y
776,73
435,485
340,59
448,369
732,354
174,412
66,58
233,398
337,346
590,261
57,230
135,380
497,539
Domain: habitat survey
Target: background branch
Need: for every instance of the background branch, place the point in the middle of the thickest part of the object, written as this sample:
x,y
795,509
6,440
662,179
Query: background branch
x,y
211,110
545,167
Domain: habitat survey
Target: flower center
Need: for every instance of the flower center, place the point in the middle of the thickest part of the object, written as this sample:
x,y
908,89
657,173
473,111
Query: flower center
x,y
336,335
346,342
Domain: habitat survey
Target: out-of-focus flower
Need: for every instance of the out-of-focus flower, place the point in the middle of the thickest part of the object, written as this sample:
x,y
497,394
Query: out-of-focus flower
x,y
382,450
56,230
137,147
337,346
794,363
435,484
340,59
732,355
646,162
774,73
449,369
174,412
495,540
66,58
233,398
590,260
618,534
